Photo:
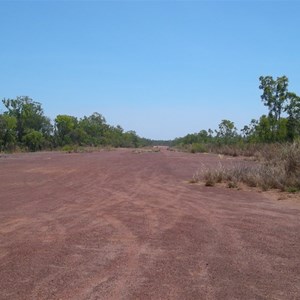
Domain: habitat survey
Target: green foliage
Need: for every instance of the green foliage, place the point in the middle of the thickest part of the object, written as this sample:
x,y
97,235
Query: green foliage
x,y
293,111
275,94
8,135
29,115
34,140
198,148
249,131
70,148
278,99
24,125
264,129
202,137
65,130
282,124
94,128
130,139
113,136
227,132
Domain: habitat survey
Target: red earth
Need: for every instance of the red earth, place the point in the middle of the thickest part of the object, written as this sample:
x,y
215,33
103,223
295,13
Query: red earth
x,y
127,225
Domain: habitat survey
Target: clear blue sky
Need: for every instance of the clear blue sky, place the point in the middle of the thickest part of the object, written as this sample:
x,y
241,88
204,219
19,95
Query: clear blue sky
x,y
161,68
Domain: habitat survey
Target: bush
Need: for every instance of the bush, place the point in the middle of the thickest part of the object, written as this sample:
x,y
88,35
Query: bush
x,y
34,140
279,168
198,148
239,149
70,148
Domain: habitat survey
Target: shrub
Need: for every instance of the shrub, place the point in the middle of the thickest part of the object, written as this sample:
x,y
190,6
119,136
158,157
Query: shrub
x,y
70,148
198,148
279,168
240,149
34,140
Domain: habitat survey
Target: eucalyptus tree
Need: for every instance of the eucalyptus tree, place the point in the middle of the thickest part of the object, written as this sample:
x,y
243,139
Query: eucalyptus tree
x,y
95,127
275,94
279,100
65,129
293,111
227,132
8,134
29,116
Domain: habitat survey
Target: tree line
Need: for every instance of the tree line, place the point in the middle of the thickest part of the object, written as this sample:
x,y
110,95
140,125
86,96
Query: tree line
x,y
281,124
23,125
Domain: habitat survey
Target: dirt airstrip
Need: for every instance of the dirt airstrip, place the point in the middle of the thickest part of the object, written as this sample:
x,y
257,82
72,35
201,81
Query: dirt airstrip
x,y
125,225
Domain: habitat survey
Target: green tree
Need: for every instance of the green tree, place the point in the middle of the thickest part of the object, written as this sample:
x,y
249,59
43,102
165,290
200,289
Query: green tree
x,y
293,111
65,130
8,133
130,139
278,99
94,126
29,115
275,94
34,140
203,136
227,132
249,131
210,133
113,136
263,129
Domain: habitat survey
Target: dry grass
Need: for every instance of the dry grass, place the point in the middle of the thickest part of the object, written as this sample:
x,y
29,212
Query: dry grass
x,y
278,168
146,150
239,149
243,149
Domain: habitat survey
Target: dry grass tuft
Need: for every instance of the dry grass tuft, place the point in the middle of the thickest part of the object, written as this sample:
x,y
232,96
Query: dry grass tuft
x,y
278,168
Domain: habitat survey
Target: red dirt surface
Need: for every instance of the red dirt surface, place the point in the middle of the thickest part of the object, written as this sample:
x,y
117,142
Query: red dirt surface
x,y
125,225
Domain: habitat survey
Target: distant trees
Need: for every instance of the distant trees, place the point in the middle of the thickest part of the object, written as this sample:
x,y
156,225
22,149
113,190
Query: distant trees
x,y
227,132
279,100
202,137
65,132
25,126
248,132
281,124
34,140
8,133
29,116
94,128
274,95
293,120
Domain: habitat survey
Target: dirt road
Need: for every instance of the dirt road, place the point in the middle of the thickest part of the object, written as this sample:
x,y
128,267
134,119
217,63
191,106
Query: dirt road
x,y
124,225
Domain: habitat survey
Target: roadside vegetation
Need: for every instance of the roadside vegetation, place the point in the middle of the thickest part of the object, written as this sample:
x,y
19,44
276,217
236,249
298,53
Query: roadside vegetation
x,y
24,127
280,125
273,140
276,168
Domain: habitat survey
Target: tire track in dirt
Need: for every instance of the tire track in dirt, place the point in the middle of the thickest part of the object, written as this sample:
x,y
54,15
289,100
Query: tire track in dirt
x,y
121,225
